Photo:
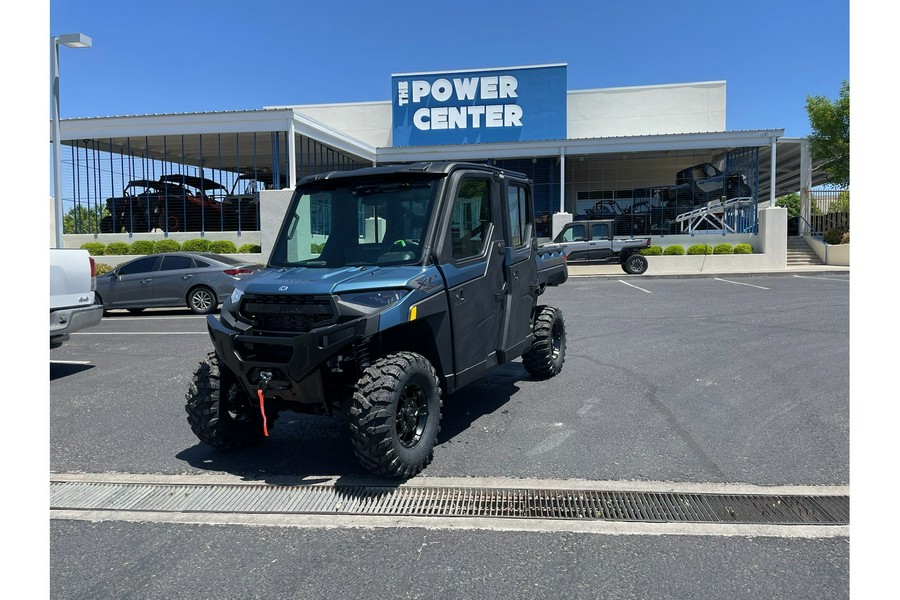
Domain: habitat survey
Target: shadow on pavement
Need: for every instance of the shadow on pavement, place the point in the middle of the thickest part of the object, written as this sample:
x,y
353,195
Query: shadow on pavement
x,y
305,449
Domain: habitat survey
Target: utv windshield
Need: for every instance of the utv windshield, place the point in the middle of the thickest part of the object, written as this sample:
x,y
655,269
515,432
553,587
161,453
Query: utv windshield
x,y
354,223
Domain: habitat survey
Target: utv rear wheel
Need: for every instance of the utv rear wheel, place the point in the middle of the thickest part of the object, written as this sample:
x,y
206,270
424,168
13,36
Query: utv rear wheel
x,y
396,415
548,349
219,411
635,264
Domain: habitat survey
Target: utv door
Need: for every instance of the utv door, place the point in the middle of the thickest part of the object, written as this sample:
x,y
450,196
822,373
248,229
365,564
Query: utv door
x,y
601,242
576,236
520,270
472,261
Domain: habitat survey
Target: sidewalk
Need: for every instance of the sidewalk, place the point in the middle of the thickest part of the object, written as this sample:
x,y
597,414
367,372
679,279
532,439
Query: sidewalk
x,y
616,272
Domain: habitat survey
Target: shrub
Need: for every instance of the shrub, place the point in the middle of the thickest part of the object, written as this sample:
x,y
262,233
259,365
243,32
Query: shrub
x,y
116,248
249,249
141,247
652,251
673,251
316,248
743,249
195,245
834,235
723,249
222,247
166,245
94,248
845,239
102,268
700,249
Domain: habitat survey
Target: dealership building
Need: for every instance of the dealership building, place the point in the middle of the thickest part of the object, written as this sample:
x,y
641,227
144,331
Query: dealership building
x,y
625,153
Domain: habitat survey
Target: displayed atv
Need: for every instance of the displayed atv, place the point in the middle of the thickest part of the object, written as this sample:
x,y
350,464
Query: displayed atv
x,y
387,288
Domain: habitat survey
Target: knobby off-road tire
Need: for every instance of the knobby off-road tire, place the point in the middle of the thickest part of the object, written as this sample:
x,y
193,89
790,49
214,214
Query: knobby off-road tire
x,y
219,411
547,354
395,416
635,264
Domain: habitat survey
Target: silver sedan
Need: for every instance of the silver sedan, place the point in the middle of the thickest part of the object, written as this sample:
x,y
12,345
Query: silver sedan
x,y
198,280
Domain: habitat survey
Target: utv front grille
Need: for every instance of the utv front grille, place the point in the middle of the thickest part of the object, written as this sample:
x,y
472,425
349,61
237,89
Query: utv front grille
x,y
287,313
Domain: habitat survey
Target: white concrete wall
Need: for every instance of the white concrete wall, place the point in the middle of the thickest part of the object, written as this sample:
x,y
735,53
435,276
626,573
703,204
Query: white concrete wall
x,y
76,240
625,111
647,110
369,122
272,206
831,254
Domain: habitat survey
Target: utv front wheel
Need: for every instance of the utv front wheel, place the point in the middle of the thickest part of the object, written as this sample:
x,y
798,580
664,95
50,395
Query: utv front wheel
x,y
547,354
219,410
396,415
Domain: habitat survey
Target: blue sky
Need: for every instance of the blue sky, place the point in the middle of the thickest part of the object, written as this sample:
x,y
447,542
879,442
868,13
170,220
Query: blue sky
x,y
207,55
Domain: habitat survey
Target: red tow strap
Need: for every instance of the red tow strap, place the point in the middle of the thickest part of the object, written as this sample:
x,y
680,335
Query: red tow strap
x,y
262,410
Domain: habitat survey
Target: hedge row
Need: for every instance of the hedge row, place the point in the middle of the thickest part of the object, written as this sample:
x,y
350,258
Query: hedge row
x,y
697,249
144,247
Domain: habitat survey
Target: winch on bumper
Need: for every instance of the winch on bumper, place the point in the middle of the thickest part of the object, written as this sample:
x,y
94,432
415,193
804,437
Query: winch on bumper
x,y
289,337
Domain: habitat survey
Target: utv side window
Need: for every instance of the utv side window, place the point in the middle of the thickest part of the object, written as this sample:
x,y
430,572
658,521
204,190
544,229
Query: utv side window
x,y
471,221
520,218
600,231
576,233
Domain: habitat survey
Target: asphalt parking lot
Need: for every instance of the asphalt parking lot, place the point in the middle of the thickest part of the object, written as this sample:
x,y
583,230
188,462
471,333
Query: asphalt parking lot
x,y
716,380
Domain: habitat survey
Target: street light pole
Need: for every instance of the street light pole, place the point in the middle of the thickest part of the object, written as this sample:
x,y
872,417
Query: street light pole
x,y
72,40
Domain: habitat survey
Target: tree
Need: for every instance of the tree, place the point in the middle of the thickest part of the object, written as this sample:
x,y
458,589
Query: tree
x,y
791,202
842,204
830,138
80,219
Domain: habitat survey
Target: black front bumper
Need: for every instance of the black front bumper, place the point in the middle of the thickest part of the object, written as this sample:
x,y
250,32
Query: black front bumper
x,y
293,361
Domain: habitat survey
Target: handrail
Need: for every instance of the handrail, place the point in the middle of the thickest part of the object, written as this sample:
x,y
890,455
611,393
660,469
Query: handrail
x,y
813,232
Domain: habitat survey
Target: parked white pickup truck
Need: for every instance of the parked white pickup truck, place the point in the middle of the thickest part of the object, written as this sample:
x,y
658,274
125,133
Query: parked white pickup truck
x,y
72,282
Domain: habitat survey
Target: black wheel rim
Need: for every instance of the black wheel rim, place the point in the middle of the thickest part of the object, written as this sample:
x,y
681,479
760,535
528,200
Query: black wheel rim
x,y
412,414
556,340
237,411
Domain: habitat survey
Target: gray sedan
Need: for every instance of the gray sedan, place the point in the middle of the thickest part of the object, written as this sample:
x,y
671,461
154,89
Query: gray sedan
x,y
197,280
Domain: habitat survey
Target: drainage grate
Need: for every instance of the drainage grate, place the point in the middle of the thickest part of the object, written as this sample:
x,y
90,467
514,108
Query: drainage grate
x,y
650,507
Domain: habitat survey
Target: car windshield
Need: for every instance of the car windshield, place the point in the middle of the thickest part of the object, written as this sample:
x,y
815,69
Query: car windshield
x,y
354,223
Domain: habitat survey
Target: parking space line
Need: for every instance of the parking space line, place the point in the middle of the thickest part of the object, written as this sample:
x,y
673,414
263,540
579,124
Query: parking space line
x,y
635,287
759,287
141,333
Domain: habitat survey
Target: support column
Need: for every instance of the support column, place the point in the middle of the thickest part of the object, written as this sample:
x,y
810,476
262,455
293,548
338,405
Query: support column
x,y
805,187
559,219
562,179
292,156
772,174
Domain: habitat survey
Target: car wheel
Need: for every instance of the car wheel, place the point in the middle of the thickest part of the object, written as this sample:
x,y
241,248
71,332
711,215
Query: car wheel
x,y
395,415
219,411
635,264
547,354
202,300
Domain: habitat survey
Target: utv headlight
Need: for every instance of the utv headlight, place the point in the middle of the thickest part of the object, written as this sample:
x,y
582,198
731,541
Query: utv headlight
x,y
374,299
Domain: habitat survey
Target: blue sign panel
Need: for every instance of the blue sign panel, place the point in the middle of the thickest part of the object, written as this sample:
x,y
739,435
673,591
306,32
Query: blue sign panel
x,y
469,107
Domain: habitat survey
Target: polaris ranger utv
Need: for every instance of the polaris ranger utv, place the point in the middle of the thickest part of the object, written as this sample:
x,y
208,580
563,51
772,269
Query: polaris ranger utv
x,y
386,287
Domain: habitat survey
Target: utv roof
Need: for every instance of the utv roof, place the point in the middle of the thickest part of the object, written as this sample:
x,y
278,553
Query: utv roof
x,y
436,169
196,182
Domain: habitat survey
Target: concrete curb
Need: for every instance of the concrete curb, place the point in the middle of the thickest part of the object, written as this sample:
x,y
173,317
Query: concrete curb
x,y
611,274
